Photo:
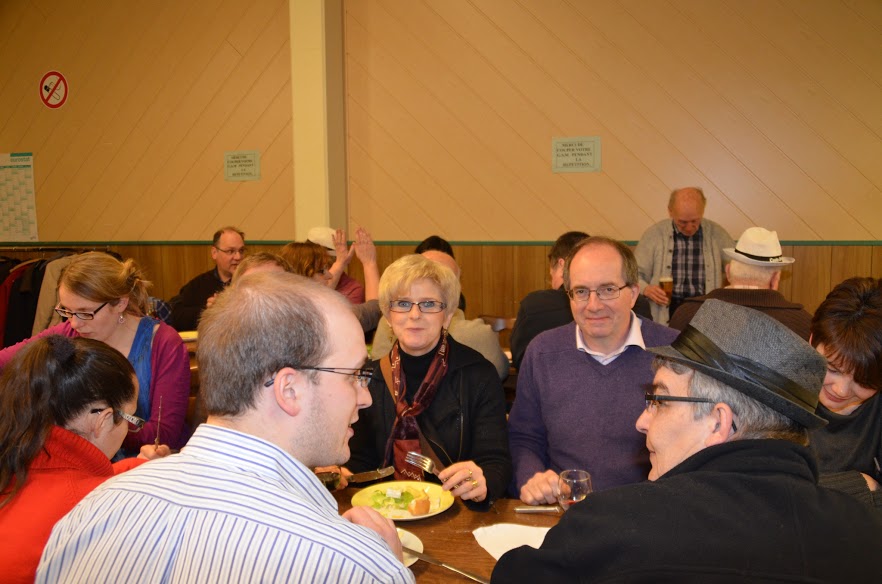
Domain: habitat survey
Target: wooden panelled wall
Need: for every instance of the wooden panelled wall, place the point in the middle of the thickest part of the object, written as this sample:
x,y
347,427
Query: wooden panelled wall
x,y
496,277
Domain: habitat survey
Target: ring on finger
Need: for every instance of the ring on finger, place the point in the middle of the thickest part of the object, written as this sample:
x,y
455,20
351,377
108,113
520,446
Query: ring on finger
x,y
474,484
470,474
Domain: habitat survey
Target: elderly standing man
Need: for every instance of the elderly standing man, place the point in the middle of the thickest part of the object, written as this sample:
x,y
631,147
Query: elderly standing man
x,y
753,274
733,494
581,385
281,362
687,248
227,250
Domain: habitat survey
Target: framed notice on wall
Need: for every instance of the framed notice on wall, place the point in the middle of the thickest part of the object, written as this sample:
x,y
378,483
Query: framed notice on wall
x,y
18,208
577,154
242,165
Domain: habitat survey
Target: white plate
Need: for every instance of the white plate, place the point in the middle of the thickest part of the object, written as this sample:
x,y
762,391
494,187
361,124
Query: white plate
x,y
413,542
441,500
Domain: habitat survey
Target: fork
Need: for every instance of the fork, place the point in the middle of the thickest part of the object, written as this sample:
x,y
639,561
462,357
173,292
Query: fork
x,y
420,461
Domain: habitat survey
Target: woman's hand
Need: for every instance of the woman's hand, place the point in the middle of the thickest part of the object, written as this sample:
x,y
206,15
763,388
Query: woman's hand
x,y
465,480
152,452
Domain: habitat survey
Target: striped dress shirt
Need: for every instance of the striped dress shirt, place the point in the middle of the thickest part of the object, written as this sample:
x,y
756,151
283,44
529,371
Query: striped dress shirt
x,y
229,508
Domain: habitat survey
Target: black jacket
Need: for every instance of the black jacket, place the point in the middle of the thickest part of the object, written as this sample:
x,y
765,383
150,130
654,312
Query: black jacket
x,y
188,305
465,421
743,511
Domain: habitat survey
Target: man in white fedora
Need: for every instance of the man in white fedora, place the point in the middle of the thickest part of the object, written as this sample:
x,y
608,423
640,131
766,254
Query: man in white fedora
x,y
754,274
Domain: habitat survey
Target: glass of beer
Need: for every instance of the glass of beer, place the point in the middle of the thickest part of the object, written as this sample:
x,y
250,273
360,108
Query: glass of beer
x,y
667,284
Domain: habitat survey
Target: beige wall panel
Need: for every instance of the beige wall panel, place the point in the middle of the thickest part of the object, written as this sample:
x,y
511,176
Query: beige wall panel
x,y
818,106
261,19
157,99
457,140
490,82
721,100
264,92
523,156
869,10
836,62
818,183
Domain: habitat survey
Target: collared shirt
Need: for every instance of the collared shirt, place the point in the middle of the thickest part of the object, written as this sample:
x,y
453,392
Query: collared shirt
x,y
229,508
687,264
635,338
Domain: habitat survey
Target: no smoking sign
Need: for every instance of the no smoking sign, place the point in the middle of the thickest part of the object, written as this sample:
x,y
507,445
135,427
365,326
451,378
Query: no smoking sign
x,y
53,89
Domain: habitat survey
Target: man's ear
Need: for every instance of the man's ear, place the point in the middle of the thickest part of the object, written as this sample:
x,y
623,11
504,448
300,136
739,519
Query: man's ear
x,y
288,387
721,426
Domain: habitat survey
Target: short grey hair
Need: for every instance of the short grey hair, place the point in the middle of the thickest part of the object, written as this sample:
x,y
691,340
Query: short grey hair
x,y
263,322
753,420
751,275
403,272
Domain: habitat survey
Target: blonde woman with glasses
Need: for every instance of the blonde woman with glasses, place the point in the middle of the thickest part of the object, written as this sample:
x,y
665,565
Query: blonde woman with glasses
x,y
104,299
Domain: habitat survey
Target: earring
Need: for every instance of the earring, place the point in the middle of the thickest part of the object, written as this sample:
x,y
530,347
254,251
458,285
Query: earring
x,y
121,319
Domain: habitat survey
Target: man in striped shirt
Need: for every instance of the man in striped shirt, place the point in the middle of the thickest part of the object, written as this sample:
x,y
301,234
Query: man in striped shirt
x,y
280,361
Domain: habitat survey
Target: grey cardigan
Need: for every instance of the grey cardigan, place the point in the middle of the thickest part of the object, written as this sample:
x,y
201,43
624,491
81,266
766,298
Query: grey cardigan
x,y
655,253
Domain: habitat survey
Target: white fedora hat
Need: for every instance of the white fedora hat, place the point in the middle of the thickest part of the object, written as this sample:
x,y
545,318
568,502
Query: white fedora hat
x,y
759,247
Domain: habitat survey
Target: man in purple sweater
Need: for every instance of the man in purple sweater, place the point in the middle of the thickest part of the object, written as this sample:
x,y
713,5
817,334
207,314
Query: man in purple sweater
x,y
582,385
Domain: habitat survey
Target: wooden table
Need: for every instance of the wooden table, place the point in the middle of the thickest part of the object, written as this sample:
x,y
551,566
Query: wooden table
x,y
448,536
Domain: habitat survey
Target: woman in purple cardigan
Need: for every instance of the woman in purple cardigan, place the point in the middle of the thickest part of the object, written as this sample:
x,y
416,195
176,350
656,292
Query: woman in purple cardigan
x,y
105,299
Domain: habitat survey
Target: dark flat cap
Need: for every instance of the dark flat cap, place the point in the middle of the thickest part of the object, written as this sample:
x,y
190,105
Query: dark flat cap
x,y
754,354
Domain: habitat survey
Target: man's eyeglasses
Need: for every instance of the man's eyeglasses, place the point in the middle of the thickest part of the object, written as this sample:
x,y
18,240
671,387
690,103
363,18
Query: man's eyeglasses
x,y
654,400
232,251
135,423
608,292
428,306
65,313
362,376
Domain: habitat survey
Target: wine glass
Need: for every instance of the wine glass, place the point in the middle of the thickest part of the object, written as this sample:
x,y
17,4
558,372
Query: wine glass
x,y
573,486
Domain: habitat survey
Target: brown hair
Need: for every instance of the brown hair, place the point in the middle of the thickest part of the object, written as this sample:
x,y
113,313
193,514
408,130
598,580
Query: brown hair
x,y
849,325
100,277
564,244
629,262
48,383
260,324
261,258
306,259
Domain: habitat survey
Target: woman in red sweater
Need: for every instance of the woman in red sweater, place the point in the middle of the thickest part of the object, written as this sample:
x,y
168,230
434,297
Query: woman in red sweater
x,y
66,405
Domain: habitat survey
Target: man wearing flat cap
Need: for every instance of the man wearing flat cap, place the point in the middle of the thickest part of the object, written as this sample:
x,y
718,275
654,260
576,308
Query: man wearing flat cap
x,y
753,274
732,495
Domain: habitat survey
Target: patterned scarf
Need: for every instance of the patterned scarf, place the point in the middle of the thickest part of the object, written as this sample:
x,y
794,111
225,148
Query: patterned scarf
x,y
405,435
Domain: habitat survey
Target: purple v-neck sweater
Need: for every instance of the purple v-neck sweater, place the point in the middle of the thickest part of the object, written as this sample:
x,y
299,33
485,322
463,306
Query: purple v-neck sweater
x,y
573,412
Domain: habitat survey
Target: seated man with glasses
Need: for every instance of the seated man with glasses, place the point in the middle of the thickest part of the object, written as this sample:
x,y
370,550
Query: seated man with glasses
x,y
281,362
733,493
227,250
581,385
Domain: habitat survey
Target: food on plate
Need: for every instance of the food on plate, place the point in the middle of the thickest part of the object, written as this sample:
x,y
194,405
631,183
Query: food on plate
x,y
413,500
419,506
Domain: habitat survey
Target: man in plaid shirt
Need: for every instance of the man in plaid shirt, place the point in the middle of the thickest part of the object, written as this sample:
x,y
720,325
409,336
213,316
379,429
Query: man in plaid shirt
x,y
687,248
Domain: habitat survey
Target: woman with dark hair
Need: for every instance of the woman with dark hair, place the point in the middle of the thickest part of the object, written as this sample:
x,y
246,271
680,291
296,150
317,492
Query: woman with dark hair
x,y
847,330
66,404
105,299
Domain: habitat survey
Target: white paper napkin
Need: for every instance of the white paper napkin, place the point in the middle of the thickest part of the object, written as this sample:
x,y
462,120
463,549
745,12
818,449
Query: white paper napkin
x,y
502,537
